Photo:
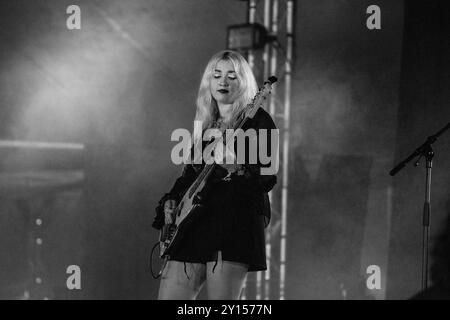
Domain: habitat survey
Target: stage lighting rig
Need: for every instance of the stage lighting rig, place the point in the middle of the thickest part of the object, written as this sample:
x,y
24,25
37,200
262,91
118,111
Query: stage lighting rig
x,y
247,36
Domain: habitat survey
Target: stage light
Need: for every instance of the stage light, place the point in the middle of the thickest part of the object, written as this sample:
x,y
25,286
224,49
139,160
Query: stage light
x,y
246,36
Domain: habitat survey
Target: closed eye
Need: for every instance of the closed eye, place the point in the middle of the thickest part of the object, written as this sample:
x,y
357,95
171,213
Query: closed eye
x,y
231,75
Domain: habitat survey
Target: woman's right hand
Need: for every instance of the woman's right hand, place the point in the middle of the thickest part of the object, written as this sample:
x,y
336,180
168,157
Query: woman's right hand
x,y
169,207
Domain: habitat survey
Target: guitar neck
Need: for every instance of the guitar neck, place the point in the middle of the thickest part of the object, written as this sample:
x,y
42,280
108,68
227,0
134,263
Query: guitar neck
x,y
209,168
203,176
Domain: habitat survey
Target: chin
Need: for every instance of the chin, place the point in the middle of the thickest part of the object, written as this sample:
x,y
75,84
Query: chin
x,y
224,101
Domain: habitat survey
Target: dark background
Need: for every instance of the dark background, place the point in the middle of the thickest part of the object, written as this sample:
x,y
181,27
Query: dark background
x,y
362,100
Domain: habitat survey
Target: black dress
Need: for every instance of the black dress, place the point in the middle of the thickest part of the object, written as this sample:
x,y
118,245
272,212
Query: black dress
x,y
234,211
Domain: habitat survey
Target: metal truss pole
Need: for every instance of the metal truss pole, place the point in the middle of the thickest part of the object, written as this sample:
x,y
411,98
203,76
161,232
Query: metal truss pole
x,y
251,18
276,59
287,108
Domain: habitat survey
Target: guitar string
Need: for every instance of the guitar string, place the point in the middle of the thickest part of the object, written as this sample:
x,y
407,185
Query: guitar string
x,y
208,167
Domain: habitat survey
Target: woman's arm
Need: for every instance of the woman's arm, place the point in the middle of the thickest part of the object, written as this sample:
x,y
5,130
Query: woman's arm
x,y
254,177
176,193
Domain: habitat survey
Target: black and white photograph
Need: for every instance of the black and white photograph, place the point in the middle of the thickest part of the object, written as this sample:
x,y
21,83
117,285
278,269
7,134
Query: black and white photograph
x,y
231,150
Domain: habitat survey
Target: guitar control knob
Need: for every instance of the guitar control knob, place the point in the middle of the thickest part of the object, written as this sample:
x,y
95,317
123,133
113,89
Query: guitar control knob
x,y
197,199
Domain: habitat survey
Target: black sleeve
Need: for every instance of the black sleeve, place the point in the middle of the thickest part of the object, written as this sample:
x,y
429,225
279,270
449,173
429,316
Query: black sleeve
x,y
176,193
183,182
252,179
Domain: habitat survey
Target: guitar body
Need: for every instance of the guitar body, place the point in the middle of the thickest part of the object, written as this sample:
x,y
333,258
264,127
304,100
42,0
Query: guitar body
x,y
170,234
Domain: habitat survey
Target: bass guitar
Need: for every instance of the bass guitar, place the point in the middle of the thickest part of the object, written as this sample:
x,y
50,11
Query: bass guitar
x,y
171,234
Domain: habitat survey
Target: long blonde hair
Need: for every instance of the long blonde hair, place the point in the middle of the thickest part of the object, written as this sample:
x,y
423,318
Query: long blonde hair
x,y
207,110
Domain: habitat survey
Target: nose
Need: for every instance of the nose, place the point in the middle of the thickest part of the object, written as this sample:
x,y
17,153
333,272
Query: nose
x,y
223,81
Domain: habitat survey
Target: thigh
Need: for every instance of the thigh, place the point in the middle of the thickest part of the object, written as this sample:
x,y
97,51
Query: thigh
x,y
225,279
181,280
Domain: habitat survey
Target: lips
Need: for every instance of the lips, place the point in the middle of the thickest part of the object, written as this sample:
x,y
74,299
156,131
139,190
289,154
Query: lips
x,y
223,91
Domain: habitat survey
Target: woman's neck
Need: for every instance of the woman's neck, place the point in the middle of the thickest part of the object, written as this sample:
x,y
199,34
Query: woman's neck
x,y
225,111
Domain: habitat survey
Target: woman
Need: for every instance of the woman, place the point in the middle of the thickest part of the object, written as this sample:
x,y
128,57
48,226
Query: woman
x,y
227,239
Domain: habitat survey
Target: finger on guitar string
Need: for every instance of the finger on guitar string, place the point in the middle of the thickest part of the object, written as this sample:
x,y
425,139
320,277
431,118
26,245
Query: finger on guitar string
x,y
169,207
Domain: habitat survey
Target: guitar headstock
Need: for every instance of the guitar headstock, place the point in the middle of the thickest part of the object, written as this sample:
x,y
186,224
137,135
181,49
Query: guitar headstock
x,y
259,98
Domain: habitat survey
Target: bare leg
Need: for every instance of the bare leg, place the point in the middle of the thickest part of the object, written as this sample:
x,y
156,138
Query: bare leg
x,y
227,280
175,285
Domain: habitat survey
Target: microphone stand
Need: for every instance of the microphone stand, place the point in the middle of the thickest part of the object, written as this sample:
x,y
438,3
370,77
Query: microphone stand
x,y
425,150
